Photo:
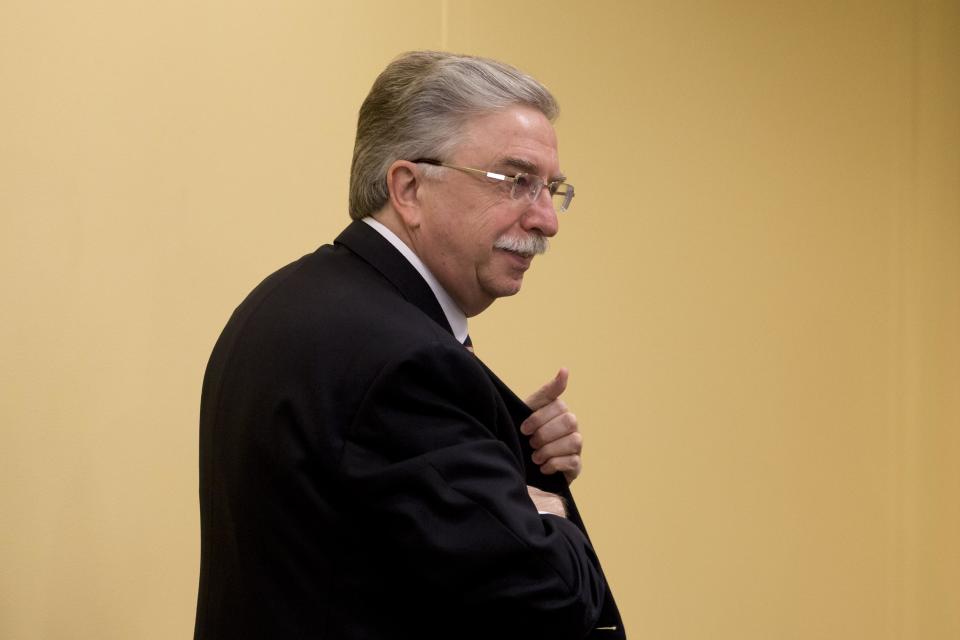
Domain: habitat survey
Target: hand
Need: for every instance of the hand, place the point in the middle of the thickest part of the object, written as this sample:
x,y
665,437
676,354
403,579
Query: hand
x,y
548,502
554,434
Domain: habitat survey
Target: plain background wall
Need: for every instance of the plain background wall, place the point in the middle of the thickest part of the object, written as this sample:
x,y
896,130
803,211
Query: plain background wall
x,y
757,292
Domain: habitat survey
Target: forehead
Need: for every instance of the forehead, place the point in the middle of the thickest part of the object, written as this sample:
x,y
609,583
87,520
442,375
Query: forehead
x,y
518,136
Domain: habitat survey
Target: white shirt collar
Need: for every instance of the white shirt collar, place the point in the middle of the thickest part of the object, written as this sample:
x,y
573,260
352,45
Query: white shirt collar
x,y
455,317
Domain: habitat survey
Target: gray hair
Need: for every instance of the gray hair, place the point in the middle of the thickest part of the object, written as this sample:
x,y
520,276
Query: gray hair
x,y
417,108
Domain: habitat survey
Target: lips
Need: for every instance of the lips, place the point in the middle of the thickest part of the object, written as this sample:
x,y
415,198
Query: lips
x,y
521,260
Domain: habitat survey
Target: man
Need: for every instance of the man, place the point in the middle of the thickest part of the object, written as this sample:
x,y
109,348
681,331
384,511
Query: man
x,y
363,474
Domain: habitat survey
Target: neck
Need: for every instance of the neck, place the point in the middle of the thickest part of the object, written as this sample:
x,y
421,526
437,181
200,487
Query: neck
x,y
389,218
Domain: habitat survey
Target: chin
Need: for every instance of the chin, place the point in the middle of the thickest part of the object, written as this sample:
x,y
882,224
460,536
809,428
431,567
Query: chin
x,y
502,283
508,290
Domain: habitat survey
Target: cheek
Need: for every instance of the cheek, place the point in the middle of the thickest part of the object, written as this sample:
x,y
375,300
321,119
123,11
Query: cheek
x,y
477,234
497,220
458,249
466,237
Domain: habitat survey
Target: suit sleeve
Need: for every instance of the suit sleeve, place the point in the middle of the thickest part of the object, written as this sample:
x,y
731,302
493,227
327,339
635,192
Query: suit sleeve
x,y
445,504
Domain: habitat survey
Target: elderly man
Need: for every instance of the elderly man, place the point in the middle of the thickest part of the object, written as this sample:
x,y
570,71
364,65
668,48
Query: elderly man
x,y
363,474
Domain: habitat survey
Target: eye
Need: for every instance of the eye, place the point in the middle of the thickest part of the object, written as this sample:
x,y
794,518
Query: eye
x,y
553,187
523,181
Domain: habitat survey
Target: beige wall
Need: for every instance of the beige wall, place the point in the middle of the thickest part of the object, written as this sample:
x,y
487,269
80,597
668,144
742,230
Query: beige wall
x,y
757,292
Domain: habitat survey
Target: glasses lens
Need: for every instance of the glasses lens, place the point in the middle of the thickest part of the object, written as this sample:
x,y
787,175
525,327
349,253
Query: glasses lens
x,y
530,186
526,186
562,196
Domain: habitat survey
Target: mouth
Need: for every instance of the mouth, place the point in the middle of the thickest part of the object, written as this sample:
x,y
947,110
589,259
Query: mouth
x,y
520,259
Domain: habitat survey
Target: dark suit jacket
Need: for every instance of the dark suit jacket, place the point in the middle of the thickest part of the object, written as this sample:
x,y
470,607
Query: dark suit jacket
x,y
362,474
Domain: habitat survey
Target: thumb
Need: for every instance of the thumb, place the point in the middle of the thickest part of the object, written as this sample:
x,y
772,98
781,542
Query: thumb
x,y
550,391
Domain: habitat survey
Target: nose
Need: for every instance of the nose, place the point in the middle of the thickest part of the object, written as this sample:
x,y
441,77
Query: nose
x,y
541,216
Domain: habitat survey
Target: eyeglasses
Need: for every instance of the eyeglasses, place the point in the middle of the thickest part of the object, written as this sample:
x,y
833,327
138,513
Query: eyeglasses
x,y
524,184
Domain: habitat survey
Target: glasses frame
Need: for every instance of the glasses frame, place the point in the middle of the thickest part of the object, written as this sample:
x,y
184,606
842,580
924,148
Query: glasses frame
x,y
536,182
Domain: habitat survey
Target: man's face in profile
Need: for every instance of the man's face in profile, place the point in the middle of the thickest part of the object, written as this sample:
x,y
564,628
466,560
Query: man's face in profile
x,y
465,214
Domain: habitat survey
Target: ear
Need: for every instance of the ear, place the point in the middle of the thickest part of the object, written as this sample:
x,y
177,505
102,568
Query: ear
x,y
404,183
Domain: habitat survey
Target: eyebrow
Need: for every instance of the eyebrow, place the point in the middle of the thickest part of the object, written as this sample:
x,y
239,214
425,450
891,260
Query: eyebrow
x,y
527,167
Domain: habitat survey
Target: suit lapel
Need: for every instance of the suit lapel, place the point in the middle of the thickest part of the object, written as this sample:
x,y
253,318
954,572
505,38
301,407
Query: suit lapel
x,y
519,411
371,247
609,624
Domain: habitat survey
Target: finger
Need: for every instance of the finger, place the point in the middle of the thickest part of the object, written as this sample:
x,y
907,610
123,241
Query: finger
x,y
547,502
550,391
542,416
557,428
574,473
570,466
569,444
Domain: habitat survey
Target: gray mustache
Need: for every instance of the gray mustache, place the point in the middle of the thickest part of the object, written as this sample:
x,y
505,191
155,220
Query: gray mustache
x,y
529,245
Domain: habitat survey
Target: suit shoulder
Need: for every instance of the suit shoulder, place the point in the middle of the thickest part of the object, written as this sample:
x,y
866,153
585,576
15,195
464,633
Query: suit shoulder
x,y
327,304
